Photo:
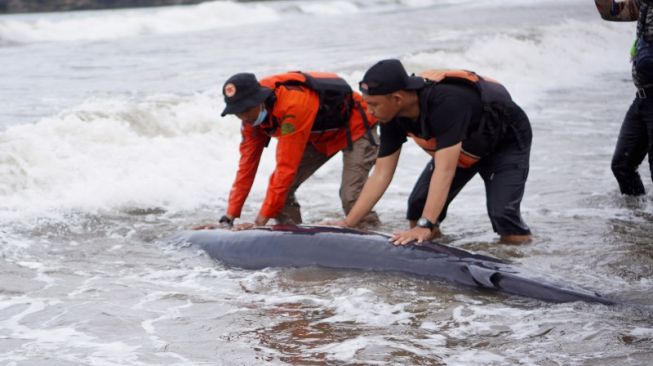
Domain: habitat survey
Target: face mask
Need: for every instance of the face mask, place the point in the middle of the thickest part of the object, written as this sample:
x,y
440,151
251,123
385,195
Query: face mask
x,y
262,114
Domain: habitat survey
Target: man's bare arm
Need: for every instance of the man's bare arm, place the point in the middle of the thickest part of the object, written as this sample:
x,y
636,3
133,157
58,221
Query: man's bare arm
x,y
618,11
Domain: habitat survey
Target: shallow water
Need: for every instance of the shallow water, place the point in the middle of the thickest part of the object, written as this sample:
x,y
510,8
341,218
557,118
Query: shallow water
x,y
111,141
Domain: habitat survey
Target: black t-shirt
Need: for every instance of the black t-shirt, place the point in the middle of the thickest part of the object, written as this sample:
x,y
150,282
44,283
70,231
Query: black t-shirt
x,y
453,110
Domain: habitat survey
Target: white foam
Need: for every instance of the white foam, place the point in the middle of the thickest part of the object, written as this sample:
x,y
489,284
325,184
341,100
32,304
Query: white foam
x,y
41,272
642,332
98,25
326,8
350,350
532,65
346,350
357,305
115,24
496,319
161,152
176,152
362,306
475,357
52,339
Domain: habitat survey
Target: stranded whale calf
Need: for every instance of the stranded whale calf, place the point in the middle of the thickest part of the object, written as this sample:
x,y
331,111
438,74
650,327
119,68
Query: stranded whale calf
x,y
339,248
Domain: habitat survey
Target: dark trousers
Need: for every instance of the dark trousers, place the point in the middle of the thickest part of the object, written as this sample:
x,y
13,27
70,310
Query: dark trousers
x,y
504,173
634,142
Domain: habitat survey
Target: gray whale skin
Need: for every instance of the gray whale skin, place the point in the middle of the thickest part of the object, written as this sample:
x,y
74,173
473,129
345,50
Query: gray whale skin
x,y
340,248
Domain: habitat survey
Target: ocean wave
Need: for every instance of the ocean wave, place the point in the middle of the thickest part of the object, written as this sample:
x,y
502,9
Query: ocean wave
x,y
102,25
531,64
176,153
165,151
115,24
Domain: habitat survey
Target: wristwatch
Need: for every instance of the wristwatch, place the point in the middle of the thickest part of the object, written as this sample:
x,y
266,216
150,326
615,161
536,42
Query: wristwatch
x,y
425,223
226,220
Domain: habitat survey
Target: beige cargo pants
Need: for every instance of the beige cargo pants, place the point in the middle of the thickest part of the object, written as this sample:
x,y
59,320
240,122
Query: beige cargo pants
x,y
356,165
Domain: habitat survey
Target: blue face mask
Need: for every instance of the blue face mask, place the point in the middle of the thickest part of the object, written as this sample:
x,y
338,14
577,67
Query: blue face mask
x,y
262,114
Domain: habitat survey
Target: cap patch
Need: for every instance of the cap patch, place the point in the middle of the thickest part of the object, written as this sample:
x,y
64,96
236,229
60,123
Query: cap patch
x,y
229,90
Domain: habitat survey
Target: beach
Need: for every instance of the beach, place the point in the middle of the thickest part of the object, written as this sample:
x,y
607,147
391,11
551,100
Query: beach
x,y
111,142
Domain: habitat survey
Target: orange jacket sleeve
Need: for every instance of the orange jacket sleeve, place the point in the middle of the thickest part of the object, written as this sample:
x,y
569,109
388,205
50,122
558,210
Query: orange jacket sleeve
x,y
295,111
251,147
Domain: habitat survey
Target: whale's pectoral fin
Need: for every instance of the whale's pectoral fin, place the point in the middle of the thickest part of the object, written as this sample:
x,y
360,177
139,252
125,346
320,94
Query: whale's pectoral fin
x,y
485,277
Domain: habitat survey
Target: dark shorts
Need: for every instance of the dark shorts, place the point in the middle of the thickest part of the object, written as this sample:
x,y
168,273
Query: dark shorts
x,y
504,173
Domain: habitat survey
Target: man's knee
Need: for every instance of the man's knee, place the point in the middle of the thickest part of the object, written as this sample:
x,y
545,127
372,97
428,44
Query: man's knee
x,y
290,214
356,168
622,170
349,193
619,167
630,183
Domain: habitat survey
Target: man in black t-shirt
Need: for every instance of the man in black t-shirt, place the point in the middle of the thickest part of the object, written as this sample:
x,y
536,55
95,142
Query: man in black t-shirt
x,y
468,125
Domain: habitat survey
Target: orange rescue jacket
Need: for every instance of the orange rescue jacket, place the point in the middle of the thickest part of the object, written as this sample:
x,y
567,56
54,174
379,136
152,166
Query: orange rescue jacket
x,y
490,91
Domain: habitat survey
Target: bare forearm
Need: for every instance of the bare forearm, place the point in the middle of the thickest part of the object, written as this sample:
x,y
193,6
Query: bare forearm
x,y
438,192
613,10
446,162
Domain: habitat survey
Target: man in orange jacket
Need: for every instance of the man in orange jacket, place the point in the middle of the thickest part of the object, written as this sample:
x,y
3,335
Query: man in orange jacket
x,y
312,120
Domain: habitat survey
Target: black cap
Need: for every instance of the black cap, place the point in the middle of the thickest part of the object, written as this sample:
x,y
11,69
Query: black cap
x,y
388,76
241,92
